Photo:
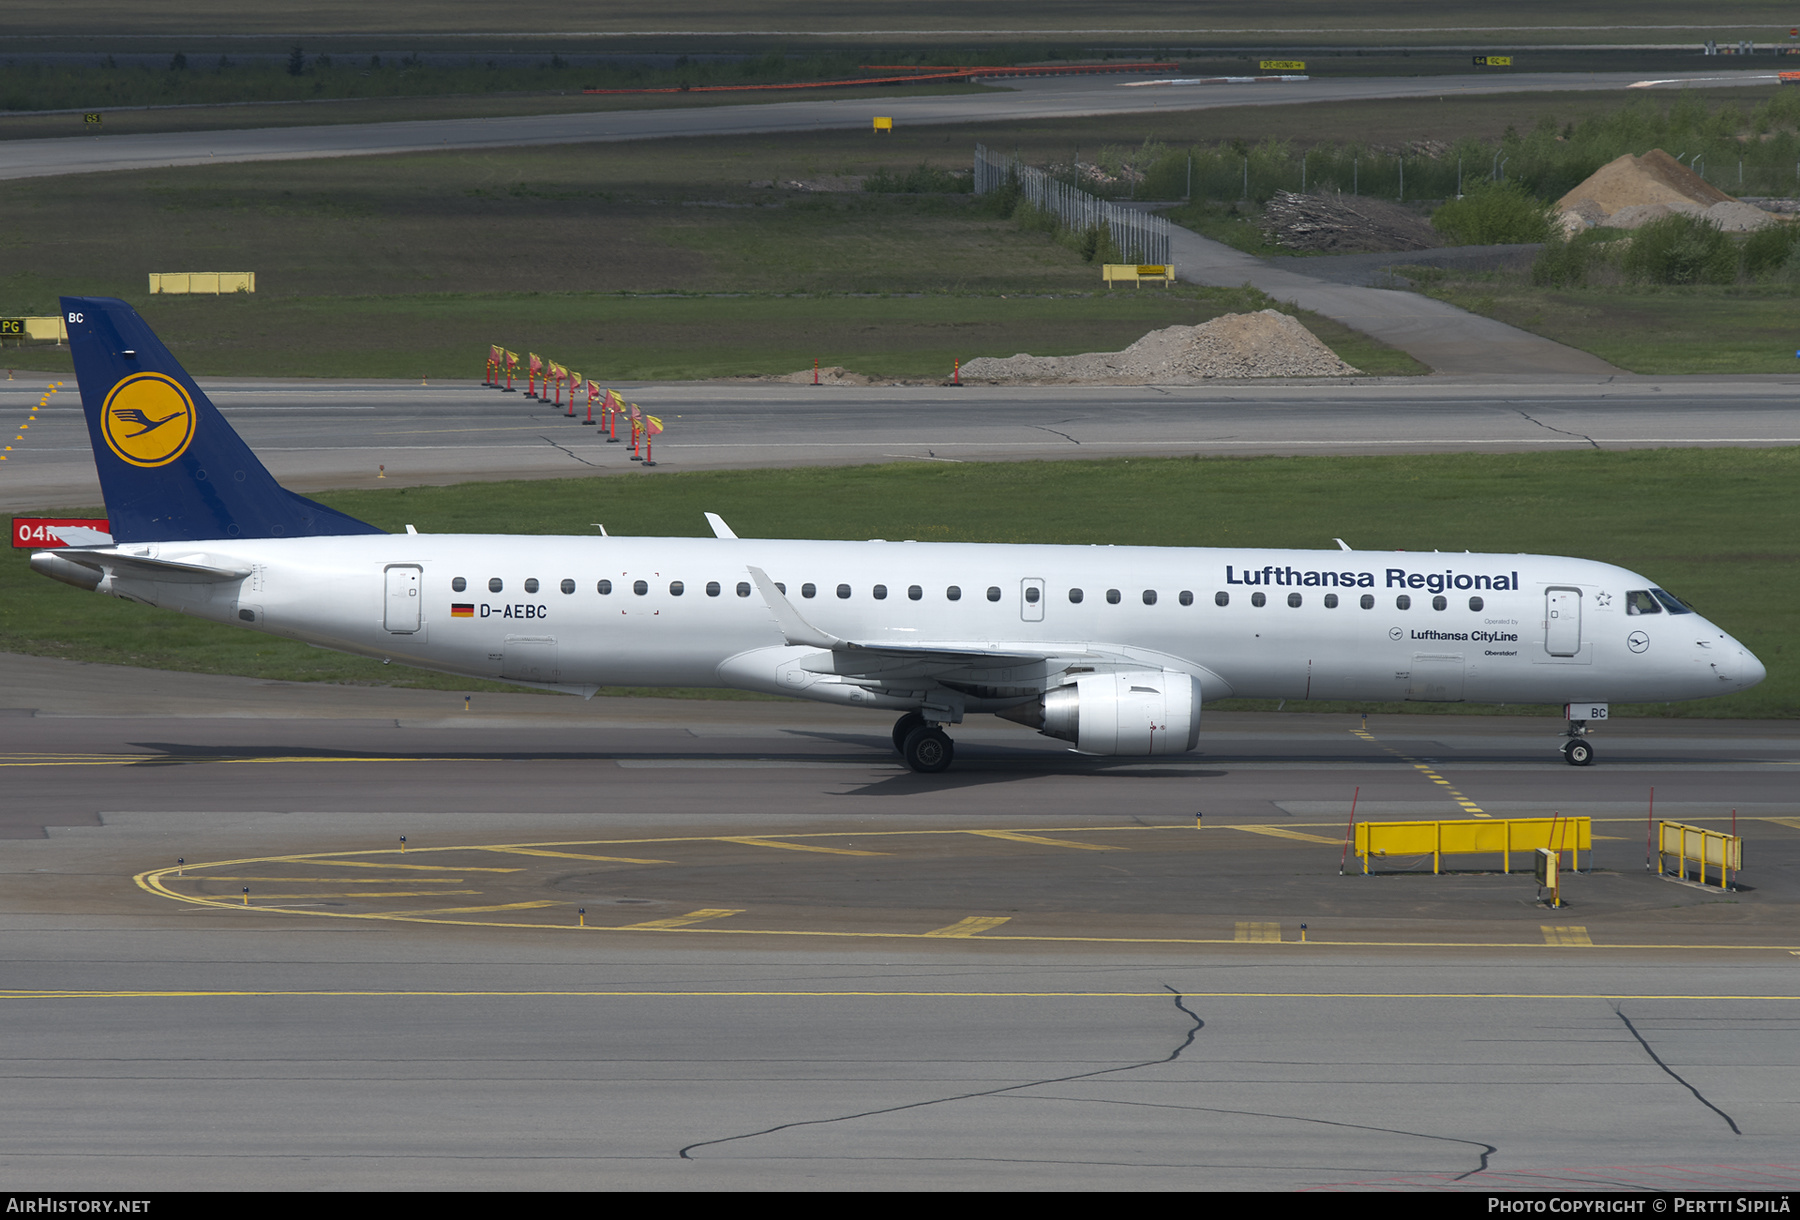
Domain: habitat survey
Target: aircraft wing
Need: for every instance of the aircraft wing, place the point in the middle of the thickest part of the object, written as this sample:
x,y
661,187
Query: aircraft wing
x,y
894,662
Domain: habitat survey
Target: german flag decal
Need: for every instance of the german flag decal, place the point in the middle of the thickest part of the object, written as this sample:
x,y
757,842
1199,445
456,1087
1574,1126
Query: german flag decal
x,y
462,610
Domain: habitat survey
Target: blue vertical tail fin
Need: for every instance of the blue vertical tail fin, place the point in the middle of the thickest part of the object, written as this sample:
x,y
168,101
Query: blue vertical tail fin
x,y
171,468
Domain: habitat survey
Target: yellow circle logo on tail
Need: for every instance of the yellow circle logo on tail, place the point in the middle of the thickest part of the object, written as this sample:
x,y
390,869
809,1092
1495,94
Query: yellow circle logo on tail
x,y
148,419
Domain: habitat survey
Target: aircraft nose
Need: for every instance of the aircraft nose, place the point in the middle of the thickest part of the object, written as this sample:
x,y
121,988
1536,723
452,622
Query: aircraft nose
x,y
1750,670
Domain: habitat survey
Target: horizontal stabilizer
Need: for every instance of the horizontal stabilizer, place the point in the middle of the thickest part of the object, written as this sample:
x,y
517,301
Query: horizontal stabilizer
x,y
136,567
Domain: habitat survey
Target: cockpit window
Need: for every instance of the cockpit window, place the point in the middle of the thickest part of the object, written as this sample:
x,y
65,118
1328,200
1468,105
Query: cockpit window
x,y
1639,601
1672,602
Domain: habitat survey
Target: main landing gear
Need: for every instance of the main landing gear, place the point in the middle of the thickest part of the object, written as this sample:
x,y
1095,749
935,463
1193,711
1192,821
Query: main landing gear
x,y
1576,751
925,747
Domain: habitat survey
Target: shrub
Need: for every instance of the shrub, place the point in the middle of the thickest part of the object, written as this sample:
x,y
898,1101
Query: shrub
x,y
1766,250
922,179
1492,213
1562,264
1681,249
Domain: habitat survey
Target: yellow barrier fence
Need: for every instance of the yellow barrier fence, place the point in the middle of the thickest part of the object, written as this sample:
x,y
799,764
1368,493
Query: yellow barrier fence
x,y
1700,845
1501,836
52,328
1137,273
215,283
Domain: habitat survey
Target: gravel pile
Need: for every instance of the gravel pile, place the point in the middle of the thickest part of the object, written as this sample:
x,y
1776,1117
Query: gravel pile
x,y
1265,344
1630,192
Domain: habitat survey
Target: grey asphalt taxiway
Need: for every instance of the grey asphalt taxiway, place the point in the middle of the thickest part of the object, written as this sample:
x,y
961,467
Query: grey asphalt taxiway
x,y
661,943
321,435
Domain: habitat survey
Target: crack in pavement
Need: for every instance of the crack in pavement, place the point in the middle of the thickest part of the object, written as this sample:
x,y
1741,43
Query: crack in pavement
x,y
1564,431
1676,1076
1064,435
1173,1055
1487,1150
568,451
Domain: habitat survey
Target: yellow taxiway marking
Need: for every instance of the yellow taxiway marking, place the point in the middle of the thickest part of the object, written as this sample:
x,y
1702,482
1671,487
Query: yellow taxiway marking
x,y
1792,822
1282,832
570,855
328,880
964,928
755,841
1567,934
682,921
426,868
1258,933
120,994
1020,837
256,897
505,906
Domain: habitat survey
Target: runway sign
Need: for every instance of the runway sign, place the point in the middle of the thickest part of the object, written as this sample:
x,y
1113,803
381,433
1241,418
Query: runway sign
x,y
39,532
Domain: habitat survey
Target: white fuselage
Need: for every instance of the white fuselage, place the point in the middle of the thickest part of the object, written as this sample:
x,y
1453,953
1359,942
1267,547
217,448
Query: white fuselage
x,y
685,612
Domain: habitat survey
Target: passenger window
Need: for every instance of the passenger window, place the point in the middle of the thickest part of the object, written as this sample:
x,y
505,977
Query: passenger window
x,y
743,588
495,585
1294,600
1187,597
676,588
640,587
1032,593
567,586
1149,597
1403,602
1640,602
780,587
879,592
1075,596
914,593
1221,598
603,588
531,586
843,591
458,585
1368,601
954,593
1258,599
809,589
1331,601
1439,602
993,593
712,588
1475,603
1112,597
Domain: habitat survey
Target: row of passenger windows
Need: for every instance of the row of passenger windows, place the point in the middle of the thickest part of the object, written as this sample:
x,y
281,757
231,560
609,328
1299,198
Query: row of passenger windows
x,y
954,593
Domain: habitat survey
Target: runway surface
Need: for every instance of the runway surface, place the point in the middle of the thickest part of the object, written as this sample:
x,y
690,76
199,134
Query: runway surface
x,y
321,435
1020,100
806,968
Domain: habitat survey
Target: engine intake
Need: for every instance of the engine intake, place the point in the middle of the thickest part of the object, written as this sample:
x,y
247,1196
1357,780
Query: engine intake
x,y
1135,713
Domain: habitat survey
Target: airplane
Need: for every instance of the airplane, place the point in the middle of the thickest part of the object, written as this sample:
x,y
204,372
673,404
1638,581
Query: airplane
x,y
1113,649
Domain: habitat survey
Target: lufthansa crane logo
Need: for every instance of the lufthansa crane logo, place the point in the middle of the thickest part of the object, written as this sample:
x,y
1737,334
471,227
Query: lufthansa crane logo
x,y
148,419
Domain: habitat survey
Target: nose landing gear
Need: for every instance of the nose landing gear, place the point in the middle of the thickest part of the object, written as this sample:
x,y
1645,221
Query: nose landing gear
x,y
1577,753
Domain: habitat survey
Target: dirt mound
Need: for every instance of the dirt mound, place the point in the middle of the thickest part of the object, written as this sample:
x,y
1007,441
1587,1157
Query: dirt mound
x,y
835,374
1629,192
1265,344
1344,224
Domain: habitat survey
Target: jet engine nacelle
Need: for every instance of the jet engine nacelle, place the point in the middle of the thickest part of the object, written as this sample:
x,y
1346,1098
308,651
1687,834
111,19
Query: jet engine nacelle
x,y
1138,712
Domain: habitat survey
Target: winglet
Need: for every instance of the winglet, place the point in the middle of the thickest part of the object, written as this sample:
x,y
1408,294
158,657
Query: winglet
x,y
719,528
794,629
1342,545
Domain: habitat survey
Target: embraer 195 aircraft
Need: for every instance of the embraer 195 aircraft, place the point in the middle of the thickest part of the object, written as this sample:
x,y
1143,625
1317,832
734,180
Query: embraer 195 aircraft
x,y
1112,648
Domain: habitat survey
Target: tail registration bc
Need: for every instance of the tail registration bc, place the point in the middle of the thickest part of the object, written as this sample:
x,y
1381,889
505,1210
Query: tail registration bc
x,y
1113,649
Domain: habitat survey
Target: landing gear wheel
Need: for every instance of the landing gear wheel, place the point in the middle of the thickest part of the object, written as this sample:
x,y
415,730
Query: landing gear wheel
x,y
903,727
927,749
1578,753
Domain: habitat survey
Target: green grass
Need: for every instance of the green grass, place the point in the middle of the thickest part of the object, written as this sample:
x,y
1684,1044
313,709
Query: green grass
x,y
1747,329
1727,542
609,259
